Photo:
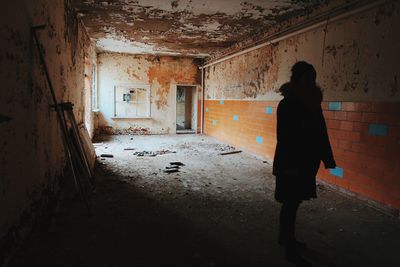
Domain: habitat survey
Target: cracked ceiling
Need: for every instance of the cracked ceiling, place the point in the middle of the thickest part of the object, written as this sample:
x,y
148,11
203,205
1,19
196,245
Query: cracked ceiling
x,y
180,27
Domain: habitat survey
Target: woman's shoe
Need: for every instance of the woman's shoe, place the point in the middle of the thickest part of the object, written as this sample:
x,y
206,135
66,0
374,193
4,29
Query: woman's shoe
x,y
293,256
297,244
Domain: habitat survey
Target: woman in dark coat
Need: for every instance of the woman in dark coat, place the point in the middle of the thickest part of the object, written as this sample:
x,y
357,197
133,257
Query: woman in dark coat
x,y
302,142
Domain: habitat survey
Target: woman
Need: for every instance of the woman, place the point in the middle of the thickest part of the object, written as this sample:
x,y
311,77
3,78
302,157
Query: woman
x,y
302,142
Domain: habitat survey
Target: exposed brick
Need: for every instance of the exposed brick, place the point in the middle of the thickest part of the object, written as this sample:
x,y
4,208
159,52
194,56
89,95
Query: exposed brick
x,y
349,106
354,116
332,124
329,114
344,144
359,148
370,163
363,106
361,127
340,115
346,125
370,117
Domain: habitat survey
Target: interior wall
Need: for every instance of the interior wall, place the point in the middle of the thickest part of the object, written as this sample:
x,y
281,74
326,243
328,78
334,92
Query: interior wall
x,y
32,160
180,107
194,114
90,80
188,108
357,64
161,73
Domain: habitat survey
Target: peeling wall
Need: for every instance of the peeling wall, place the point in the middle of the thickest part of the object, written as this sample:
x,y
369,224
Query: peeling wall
x,y
32,160
161,73
356,60
357,63
182,27
90,81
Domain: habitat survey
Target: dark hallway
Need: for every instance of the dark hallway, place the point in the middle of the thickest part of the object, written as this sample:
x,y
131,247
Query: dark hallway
x,y
163,119
216,211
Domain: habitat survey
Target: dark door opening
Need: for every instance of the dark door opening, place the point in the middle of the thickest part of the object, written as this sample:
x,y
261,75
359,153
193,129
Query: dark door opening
x,y
186,109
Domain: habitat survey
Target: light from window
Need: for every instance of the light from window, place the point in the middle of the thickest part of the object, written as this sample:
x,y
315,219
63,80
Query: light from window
x,y
132,101
95,105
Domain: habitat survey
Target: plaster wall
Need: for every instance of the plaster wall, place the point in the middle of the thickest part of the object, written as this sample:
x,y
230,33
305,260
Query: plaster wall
x,y
32,163
356,60
163,74
357,63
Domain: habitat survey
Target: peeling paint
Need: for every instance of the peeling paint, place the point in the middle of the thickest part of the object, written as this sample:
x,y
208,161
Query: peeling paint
x,y
185,27
357,65
167,71
33,160
160,73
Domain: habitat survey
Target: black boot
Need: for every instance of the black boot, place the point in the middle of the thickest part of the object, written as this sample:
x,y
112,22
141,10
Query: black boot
x,y
293,256
299,245
287,223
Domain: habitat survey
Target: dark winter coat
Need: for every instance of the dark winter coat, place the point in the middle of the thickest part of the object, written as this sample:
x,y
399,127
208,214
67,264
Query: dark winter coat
x,y
302,142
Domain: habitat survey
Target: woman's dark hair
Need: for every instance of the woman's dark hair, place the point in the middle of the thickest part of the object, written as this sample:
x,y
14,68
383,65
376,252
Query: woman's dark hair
x,y
299,69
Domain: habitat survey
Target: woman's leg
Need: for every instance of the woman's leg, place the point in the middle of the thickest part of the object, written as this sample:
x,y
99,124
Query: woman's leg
x,y
287,222
287,233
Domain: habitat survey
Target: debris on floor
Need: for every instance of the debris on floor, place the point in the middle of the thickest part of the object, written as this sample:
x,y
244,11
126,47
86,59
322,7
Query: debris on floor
x,y
231,152
196,202
177,163
171,170
224,147
129,148
153,153
107,155
174,167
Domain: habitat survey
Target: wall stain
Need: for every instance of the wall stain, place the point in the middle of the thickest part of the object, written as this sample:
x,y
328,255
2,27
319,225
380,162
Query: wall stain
x,y
192,29
166,70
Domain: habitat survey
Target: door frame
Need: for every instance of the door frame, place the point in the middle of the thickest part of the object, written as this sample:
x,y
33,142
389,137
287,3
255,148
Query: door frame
x,y
196,86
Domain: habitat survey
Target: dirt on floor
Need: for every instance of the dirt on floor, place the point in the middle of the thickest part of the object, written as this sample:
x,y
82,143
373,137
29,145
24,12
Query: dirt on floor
x,y
214,210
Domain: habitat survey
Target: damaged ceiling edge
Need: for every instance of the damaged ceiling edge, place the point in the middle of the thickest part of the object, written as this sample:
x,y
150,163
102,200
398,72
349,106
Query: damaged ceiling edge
x,y
301,22
180,28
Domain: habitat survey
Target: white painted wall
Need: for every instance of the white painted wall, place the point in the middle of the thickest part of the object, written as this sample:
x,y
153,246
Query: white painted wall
x,y
161,73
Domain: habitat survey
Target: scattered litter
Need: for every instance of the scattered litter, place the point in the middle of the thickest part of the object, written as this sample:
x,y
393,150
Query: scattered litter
x,y
153,153
223,147
172,167
129,148
107,155
231,152
331,209
177,163
98,144
171,170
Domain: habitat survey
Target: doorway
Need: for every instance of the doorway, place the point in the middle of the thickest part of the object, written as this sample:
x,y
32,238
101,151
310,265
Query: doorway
x,y
186,109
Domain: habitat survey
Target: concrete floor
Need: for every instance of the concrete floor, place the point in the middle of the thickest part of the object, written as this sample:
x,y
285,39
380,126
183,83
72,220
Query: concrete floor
x,y
217,211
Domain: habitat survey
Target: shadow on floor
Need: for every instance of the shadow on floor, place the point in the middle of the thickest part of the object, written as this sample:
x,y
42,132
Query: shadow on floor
x,y
128,228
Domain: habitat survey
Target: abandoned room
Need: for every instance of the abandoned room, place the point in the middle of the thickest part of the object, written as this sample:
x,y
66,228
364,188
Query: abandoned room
x,y
154,124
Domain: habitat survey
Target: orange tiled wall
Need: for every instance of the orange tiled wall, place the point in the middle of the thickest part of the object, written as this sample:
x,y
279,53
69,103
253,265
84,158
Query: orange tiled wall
x,y
365,138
